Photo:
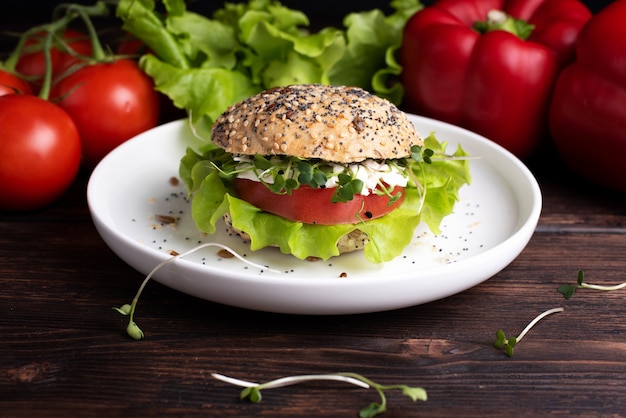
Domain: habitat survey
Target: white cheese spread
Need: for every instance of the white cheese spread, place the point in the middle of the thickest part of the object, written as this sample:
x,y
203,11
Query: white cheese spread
x,y
370,172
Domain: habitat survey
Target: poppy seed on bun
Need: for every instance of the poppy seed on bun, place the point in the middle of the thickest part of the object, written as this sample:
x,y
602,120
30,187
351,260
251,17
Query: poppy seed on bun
x,y
333,123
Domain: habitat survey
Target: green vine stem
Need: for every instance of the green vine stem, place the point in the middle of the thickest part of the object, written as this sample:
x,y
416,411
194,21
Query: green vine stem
x,y
86,13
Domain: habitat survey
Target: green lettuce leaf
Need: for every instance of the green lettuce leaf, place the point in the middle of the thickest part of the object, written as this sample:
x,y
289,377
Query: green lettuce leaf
x,y
204,92
442,181
140,19
205,64
369,61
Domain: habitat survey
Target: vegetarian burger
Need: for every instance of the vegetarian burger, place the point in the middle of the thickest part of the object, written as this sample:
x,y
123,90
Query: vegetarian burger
x,y
318,171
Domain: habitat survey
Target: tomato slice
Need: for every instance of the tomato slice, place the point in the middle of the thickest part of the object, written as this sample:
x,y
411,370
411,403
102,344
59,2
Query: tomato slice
x,y
314,206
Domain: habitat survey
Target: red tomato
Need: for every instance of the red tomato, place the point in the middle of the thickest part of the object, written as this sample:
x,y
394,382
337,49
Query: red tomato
x,y
110,103
10,84
314,206
33,64
39,149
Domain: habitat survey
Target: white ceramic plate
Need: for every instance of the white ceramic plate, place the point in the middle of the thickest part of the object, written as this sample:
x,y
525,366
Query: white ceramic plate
x,y
492,223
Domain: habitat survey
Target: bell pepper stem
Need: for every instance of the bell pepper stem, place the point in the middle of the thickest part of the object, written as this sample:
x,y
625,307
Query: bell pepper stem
x,y
499,20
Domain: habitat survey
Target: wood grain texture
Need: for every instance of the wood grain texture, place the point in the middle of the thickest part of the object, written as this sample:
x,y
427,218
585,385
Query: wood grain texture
x,y
64,350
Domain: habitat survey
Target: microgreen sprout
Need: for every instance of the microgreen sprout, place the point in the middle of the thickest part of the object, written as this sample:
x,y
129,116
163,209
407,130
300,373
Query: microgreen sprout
x,y
509,343
282,174
132,328
419,154
568,290
252,391
347,187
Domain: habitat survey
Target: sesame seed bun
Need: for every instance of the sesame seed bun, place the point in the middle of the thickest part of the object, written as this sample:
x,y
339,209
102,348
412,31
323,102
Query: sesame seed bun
x,y
333,123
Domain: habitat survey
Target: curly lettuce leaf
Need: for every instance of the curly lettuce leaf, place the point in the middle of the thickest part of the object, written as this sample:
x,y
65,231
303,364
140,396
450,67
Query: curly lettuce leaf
x,y
140,19
204,92
204,64
442,181
369,61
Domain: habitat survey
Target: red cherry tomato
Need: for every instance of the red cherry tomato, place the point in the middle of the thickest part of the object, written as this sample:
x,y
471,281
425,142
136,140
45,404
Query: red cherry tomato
x,y
10,84
39,149
110,103
314,206
33,64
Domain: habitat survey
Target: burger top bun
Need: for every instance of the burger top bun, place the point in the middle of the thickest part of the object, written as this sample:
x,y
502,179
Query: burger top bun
x,y
333,123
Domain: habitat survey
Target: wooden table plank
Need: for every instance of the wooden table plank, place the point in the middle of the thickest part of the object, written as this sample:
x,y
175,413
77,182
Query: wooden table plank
x,y
65,349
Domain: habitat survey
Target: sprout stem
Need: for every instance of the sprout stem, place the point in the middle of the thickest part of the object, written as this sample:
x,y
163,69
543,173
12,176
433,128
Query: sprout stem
x,y
602,287
174,258
537,319
509,343
291,380
133,330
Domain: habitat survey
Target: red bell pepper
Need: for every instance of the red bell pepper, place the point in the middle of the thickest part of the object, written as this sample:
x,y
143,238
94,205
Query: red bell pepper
x,y
492,76
588,111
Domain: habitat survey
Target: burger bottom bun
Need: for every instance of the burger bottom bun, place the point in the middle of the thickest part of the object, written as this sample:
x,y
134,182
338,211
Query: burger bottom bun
x,y
353,241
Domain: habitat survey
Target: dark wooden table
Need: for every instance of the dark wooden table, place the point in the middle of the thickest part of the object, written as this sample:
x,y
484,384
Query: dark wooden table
x,y
64,351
